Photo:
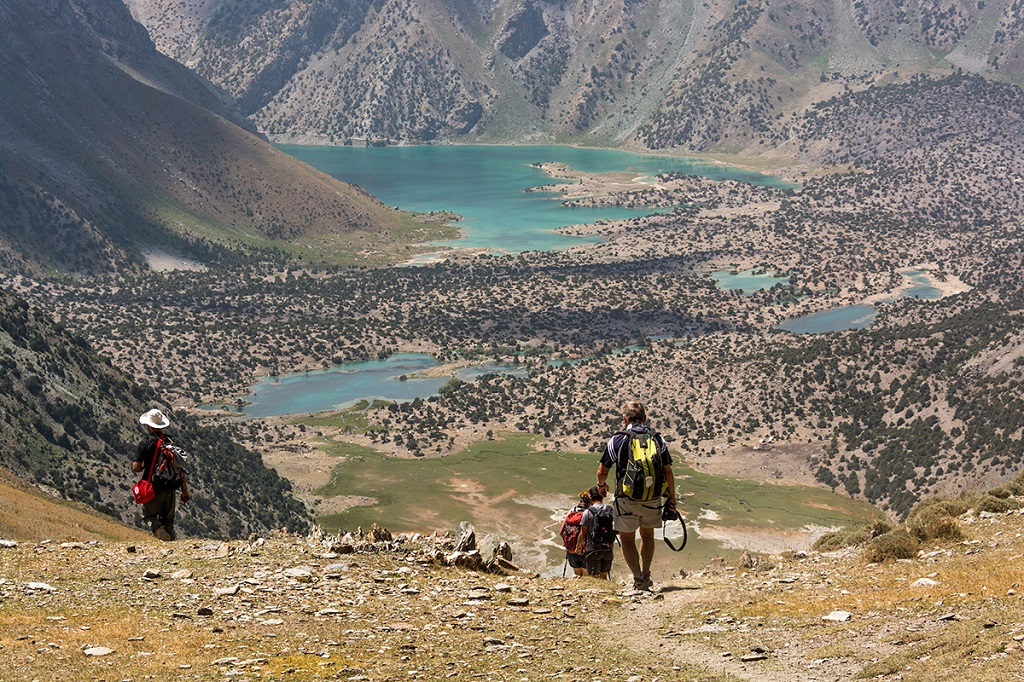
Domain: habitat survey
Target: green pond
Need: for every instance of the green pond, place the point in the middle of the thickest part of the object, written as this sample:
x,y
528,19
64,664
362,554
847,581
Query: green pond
x,y
507,488
487,185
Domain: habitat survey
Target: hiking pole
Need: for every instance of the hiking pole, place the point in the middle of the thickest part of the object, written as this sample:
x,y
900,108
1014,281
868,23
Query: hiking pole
x,y
564,565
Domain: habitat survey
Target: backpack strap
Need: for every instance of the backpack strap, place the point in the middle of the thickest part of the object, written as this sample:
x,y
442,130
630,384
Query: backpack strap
x,y
156,451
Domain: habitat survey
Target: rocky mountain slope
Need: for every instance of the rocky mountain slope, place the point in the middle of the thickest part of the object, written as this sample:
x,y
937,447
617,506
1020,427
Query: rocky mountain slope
x,y
109,149
660,74
69,428
375,607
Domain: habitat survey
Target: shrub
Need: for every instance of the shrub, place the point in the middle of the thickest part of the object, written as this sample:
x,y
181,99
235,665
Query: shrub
x,y
936,519
896,544
833,540
940,506
995,505
934,524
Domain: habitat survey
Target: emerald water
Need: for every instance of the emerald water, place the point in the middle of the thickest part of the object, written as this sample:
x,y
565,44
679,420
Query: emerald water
x,y
487,186
395,379
747,281
858,316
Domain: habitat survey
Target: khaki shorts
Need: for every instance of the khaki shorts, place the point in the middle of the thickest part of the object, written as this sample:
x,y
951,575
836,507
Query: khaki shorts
x,y
631,515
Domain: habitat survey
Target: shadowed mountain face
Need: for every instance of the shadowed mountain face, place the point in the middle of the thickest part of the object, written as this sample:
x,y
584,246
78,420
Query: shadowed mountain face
x,y
703,76
68,424
108,149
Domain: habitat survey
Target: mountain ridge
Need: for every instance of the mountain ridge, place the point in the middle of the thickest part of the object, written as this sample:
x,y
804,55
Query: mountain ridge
x,y
650,74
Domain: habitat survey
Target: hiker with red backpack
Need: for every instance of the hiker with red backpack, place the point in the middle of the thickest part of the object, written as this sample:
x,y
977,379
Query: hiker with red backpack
x,y
597,536
643,476
163,466
570,532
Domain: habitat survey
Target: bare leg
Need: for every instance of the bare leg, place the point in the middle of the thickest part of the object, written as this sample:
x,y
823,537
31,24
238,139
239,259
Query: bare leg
x,y
630,554
647,543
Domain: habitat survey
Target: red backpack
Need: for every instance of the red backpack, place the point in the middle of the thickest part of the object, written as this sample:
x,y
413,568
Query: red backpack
x,y
571,530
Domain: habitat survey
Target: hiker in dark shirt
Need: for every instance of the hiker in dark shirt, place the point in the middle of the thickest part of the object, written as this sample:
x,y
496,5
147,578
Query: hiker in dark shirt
x,y
158,513
633,515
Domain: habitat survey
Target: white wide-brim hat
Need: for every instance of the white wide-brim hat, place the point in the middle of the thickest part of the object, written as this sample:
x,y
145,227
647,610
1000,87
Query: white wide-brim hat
x,y
155,418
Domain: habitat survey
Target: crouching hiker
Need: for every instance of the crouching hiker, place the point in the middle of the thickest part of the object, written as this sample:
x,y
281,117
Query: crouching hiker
x,y
163,466
597,536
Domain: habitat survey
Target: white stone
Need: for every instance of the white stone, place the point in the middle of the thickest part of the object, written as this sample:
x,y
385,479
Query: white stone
x,y
98,651
837,617
40,587
924,582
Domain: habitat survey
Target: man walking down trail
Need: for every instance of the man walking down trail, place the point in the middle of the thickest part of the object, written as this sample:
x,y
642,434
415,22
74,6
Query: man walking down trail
x,y
632,515
158,513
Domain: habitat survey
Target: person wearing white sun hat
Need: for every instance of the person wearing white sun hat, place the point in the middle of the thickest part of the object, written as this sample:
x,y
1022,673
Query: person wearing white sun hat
x,y
158,513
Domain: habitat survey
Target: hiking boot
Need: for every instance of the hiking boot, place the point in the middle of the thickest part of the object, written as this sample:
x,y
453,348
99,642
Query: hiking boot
x,y
640,584
648,580
162,534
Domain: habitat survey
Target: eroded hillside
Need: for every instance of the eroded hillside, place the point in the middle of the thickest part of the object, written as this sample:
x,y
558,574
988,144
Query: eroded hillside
x,y
717,76
109,150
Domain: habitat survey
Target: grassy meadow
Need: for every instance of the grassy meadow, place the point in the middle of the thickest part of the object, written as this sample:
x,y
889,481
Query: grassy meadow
x,y
506,487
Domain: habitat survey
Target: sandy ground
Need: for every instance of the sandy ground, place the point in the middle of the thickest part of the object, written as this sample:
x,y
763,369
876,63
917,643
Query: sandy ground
x,y
782,463
165,262
948,285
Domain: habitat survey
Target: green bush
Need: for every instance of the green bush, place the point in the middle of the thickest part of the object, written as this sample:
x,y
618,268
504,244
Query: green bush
x,y
838,539
995,505
896,544
936,519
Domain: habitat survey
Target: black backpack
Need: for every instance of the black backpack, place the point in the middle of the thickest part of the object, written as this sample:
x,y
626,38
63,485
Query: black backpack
x,y
602,532
168,466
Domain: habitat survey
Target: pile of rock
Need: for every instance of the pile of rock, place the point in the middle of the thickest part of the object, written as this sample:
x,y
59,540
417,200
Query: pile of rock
x,y
460,549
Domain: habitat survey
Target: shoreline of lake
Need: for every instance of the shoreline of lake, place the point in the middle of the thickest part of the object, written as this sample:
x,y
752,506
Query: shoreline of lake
x,y
782,168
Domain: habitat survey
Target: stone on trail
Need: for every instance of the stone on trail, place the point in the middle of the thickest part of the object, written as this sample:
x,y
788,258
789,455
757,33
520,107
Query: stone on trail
x,y
151,574
299,573
749,658
837,617
8,544
39,587
98,651
465,537
924,582
227,591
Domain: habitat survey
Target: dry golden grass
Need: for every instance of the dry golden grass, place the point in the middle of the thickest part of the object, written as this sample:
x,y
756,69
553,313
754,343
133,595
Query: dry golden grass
x,y
28,515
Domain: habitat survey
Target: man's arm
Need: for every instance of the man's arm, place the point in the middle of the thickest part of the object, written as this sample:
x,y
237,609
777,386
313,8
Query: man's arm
x,y
670,479
602,477
185,497
581,540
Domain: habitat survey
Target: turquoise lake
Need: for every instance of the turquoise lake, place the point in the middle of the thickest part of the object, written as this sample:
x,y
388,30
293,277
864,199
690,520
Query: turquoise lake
x,y
858,316
747,281
487,186
394,379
